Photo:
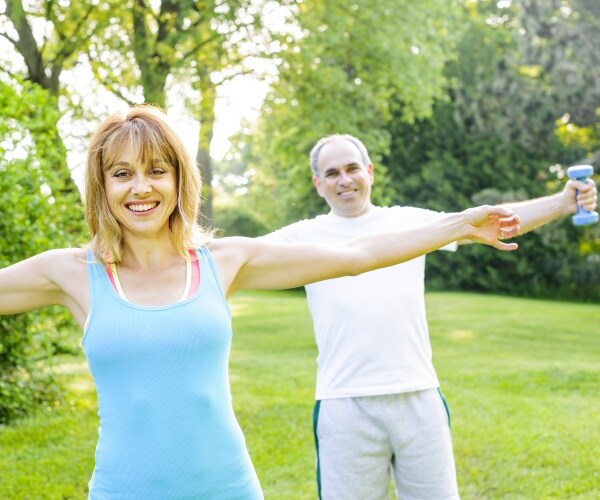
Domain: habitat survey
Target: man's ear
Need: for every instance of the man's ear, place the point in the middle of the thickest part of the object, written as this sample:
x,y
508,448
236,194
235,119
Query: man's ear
x,y
370,170
317,185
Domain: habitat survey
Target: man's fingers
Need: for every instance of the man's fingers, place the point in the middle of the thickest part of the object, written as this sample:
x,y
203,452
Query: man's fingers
x,y
588,199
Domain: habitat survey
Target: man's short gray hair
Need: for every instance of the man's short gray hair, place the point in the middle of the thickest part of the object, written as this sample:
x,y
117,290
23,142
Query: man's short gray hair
x,y
316,150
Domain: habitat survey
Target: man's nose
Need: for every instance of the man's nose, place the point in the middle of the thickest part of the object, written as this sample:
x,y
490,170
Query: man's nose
x,y
344,178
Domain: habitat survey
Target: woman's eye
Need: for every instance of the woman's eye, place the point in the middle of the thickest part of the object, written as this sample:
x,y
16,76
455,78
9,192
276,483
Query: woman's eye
x,y
120,173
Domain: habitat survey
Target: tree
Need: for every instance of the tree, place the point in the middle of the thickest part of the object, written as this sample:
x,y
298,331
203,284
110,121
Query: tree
x,y
151,46
496,140
31,220
47,38
339,74
559,40
39,201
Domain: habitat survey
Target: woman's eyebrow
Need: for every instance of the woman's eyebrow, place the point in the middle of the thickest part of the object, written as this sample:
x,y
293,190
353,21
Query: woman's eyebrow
x,y
120,163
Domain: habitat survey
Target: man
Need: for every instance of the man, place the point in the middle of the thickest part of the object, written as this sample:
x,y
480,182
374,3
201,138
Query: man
x,y
378,405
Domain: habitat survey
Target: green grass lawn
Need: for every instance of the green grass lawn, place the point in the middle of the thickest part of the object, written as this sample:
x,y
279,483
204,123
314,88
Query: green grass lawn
x,y
522,378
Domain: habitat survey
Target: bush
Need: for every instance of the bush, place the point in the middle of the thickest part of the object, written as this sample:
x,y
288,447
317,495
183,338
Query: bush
x,y
237,220
37,212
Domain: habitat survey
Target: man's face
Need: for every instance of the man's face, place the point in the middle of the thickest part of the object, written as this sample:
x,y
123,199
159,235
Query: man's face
x,y
344,181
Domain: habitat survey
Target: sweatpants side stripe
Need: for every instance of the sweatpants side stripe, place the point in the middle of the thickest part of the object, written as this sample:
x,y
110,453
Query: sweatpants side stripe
x,y
315,421
446,406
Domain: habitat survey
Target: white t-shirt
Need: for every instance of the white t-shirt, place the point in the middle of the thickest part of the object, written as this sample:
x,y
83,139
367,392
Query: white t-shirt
x,y
371,330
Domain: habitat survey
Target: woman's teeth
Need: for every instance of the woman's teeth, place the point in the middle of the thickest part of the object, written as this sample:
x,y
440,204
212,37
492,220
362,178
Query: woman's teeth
x,y
142,208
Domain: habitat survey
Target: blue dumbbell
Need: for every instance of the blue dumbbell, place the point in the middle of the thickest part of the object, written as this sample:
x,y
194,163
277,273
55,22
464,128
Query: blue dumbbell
x,y
581,173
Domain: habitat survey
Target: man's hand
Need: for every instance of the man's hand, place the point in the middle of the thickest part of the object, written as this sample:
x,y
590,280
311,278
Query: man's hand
x,y
489,224
582,194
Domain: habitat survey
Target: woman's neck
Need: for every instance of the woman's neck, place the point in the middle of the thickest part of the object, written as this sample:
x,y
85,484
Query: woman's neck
x,y
144,254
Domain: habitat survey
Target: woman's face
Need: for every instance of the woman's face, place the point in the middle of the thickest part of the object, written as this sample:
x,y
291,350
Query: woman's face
x,y
141,194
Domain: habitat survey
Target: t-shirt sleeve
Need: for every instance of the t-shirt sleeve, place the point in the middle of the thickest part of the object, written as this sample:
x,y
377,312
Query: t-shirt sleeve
x,y
450,247
285,234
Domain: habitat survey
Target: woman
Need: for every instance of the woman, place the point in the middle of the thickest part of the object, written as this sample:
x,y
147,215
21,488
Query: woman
x,y
150,295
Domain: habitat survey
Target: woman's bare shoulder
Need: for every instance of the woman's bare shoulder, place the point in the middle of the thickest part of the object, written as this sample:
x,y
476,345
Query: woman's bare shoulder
x,y
230,255
64,262
65,256
227,244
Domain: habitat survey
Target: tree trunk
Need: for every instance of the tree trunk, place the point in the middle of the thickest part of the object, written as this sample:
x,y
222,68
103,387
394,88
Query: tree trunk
x,y
27,47
207,122
46,75
154,70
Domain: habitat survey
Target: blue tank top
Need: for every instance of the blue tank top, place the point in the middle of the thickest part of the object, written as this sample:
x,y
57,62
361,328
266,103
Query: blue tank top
x,y
167,428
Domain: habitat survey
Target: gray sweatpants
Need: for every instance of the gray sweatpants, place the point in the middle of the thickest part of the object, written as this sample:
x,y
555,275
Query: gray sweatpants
x,y
360,440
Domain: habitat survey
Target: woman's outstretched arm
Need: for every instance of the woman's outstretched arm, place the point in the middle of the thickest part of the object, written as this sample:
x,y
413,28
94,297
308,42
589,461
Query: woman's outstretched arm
x,y
246,263
40,281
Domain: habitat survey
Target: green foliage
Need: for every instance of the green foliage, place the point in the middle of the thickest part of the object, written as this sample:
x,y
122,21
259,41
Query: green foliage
x,y
340,77
22,388
233,215
505,130
560,41
239,220
520,376
494,142
151,49
36,214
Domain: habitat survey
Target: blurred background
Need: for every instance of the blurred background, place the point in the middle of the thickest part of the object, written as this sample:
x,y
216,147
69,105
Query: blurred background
x,y
459,102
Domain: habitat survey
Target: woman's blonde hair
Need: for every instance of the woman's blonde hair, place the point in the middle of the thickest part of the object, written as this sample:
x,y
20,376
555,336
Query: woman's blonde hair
x,y
144,129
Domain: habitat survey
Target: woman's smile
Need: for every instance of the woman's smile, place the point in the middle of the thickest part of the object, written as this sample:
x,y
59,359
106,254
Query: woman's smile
x,y
142,208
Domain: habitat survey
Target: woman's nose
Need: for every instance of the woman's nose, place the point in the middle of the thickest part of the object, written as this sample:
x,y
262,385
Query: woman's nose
x,y
141,185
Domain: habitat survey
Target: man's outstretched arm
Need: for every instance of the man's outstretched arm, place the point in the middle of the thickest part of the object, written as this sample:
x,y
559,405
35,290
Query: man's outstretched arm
x,y
539,211
536,212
